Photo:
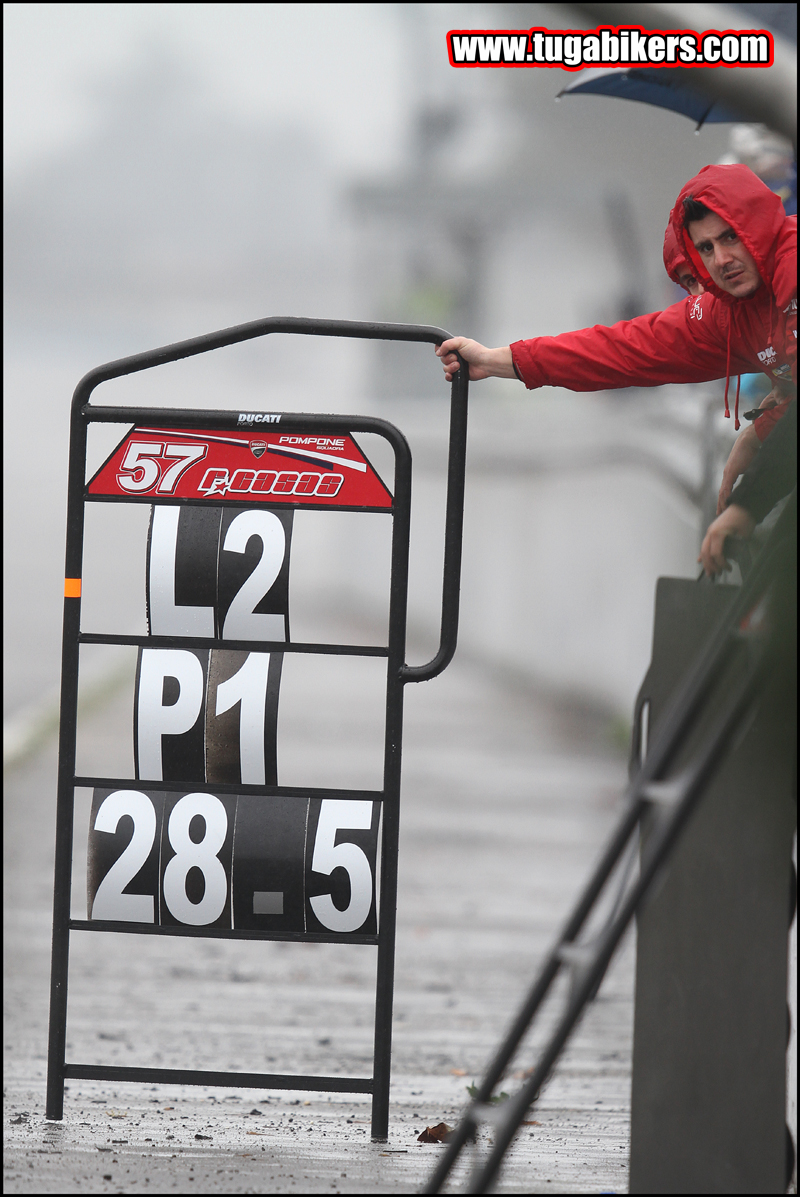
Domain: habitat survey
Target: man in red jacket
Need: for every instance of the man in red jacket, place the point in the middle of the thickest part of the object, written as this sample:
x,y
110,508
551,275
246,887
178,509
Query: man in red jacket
x,y
677,267
747,443
734,232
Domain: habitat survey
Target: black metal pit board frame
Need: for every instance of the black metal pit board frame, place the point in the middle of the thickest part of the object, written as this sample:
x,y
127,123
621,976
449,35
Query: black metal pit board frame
x,y
398,674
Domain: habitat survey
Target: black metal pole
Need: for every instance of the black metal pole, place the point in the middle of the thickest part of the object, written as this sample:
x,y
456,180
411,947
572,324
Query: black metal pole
x,y
369,330
398,674
393,751
65,799
453,531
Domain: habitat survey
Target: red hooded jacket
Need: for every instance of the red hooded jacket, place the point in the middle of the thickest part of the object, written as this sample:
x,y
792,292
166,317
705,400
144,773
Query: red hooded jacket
x,y
674,256
699,339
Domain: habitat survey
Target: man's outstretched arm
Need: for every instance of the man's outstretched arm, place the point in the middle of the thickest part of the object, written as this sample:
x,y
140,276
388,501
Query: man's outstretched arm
x,y
483,362
669,346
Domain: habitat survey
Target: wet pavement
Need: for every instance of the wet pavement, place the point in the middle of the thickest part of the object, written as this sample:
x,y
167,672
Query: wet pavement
x,y
507,797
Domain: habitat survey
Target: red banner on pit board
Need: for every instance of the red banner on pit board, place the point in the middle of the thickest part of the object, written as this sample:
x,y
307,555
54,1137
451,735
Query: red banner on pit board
x,y
271,467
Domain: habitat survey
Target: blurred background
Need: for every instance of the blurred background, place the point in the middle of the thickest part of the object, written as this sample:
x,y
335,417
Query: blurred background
x,y
172,169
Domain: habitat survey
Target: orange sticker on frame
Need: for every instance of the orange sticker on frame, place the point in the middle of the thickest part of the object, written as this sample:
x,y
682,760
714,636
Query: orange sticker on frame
x,y
72,588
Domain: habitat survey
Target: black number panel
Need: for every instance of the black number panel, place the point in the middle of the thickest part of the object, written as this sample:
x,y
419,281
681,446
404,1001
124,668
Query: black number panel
x,y
282,865
211,715
196,856
241,715
219,572
341,850
182,550
168,722
122,879
253,574
205,715
269,855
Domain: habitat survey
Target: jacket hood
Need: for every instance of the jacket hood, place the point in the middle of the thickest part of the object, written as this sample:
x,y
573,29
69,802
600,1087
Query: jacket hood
x,y
674,256
753,211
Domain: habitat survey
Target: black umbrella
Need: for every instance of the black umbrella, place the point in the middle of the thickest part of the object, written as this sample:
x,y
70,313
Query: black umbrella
x,y
744,96
662,88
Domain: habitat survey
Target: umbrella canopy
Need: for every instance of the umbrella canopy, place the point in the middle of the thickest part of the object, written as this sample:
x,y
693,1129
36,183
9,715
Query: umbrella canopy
x,y
661,87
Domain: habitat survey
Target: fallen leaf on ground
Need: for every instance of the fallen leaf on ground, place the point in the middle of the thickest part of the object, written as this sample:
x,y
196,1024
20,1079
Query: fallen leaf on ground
x,y
202,1136
493,1101
458,1072
530,1124
435,1134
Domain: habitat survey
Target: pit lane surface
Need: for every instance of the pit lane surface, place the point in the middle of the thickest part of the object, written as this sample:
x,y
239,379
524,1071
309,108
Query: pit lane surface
x,y
507,796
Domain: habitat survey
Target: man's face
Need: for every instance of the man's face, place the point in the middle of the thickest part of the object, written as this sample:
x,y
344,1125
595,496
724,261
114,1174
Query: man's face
x,y
690,282
725,258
